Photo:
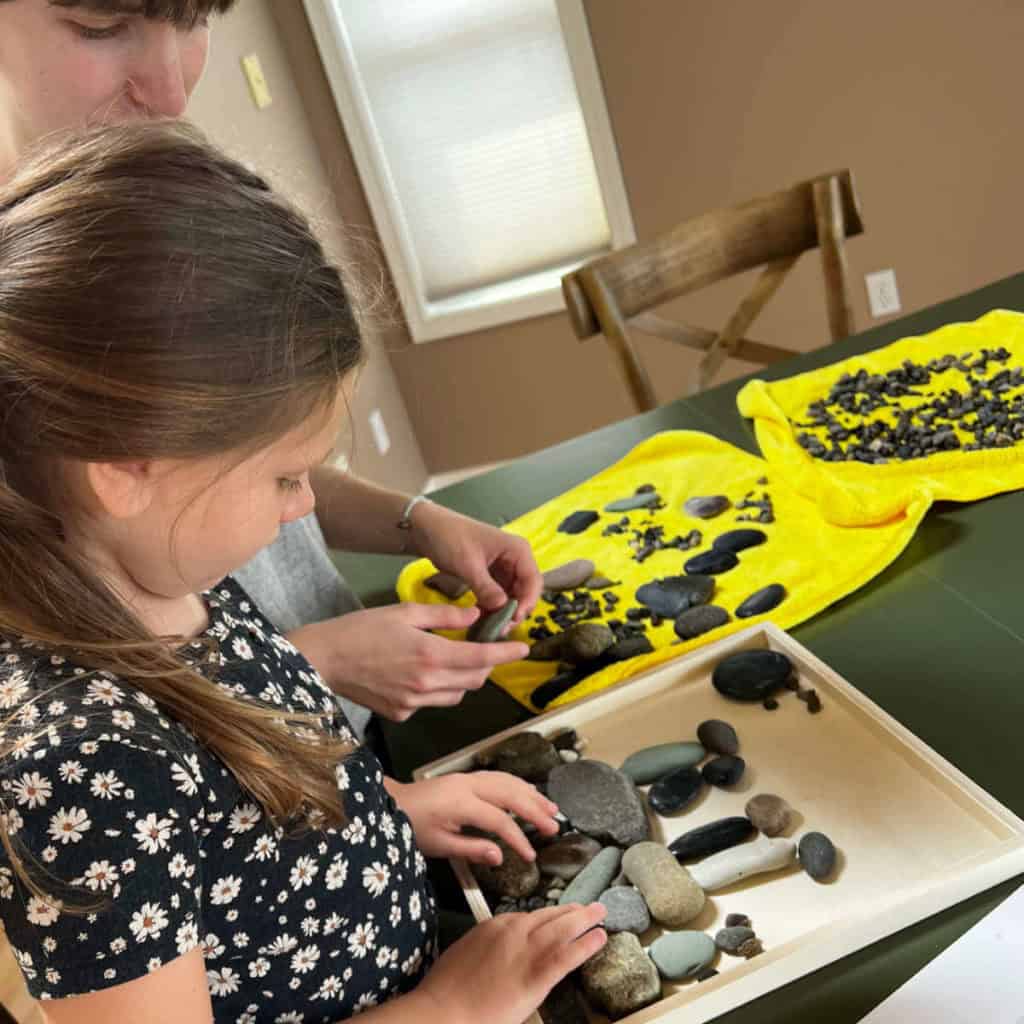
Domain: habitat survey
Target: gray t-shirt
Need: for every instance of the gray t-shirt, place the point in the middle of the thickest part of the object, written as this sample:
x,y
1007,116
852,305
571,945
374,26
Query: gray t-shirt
x,y
294,582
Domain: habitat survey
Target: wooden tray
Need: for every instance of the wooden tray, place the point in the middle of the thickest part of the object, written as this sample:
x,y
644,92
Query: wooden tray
x,y
915,835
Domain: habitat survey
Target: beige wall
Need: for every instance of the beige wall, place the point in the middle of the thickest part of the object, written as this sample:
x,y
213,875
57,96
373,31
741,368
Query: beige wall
x,y
712,103
283,141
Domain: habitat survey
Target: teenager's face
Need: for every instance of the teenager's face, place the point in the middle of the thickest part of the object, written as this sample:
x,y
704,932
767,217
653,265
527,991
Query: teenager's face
x,y
68,66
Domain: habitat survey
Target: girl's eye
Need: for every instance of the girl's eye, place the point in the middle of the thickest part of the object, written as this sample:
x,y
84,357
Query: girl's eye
x,y
290,484
92,32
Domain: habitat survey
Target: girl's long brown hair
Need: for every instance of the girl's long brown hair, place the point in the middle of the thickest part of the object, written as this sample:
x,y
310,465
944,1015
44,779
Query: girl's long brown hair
x,y
156,301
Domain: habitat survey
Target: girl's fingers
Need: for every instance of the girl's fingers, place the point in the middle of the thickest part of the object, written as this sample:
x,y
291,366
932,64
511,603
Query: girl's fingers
x,y
517,796
492,819
476,851
567,927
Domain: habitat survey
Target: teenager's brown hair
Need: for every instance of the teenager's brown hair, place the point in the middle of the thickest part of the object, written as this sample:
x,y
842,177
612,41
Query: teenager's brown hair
x,y
180,12
157,300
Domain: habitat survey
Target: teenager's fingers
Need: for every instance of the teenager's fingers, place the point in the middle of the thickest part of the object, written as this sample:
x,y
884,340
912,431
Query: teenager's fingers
x,y
562,928
439,616
476,851
481,657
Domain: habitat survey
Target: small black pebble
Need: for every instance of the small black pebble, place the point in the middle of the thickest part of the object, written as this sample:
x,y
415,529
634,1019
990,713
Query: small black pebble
x,y
813,702
737,921
771,704
656,620
706,973
792,683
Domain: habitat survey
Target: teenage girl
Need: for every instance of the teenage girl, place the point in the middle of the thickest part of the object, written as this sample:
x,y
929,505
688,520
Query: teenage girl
x,y
189,832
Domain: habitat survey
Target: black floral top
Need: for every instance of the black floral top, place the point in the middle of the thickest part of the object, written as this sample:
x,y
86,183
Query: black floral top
x,y
109,794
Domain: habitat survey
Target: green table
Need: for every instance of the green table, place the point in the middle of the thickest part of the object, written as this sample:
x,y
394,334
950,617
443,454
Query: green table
x,y
935,640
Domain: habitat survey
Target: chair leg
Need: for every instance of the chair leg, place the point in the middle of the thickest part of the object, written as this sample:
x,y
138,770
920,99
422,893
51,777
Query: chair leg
x,y
828,216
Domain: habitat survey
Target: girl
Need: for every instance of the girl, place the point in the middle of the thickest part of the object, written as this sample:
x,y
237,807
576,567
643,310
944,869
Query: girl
x,y
189,832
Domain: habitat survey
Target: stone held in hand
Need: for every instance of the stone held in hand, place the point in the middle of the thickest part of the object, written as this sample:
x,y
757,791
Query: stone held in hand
x,y
724,770
527,755
695,622
675,792
711,838
762,601
770,814
710,563
446,583
595,877
671,595
627,910
739,540
512,879
721,870
651,763
621,978
751,675
567,856
706,507
679,955
817,855
577,522
718,736
568,576
489,628
599,801
672,894
585,641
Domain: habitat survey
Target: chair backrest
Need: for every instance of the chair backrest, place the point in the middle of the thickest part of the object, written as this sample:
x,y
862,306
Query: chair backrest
x,y
772,230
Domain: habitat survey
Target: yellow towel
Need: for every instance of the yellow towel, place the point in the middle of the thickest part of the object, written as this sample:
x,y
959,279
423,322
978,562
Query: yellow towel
x,y
856,493
817,562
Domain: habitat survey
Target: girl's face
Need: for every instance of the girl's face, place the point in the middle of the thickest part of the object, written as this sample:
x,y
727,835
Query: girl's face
x,y
66,65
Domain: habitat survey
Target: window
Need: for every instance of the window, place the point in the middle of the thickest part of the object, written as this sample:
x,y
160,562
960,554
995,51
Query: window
x,y
483,143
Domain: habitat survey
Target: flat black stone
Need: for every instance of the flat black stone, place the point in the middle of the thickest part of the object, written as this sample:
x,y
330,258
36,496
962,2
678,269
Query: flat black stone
x,y
675,791
671,595
710,563
696,621
739,540
718,737
751,675
761,601
726,770
628,647
556,686
711,838
578,521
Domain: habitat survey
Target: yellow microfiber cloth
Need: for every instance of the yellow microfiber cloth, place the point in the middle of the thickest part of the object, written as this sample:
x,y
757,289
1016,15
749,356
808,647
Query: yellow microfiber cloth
x,y
856,493
817,562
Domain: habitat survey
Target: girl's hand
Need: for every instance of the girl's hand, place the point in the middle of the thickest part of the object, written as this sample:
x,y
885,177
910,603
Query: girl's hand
x,y
503,969
440,808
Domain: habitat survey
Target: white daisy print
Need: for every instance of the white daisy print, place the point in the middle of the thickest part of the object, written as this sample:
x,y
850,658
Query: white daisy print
x,y
71,771
224,890
186,938
223,981
41,913
376,878
68,826
148,922
106,785
305,959
362,940
244,817
152,833
32,790
303,872
336,873
101,875
183,781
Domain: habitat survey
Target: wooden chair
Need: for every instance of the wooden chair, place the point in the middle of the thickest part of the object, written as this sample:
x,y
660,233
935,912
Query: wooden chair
x,y
615,292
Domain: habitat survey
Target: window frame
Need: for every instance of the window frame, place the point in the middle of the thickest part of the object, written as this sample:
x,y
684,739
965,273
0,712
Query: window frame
x,y
507,301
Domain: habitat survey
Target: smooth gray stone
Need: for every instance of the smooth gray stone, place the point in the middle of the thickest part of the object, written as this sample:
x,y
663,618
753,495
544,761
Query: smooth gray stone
x,y
721,870
718,736
445,583
489,628
736,941
751,675
761,601
588,885
711,838
586,641
739,540
577,522
568,576
769,813
710,563
648,499
629,647
724,770
565,858
600,801
627,911
599,583
679,955
512,879
817,855
706,507
670,891
620,978
695,622
652,763
671,595
675,792
527,755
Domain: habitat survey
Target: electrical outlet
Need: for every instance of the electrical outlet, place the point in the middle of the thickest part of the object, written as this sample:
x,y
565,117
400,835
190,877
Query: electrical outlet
x,y
380,432
257,81
883,295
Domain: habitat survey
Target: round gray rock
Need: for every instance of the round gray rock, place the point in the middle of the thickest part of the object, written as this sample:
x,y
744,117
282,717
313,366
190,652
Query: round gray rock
x,y
599,801
679,955
817,855
627,911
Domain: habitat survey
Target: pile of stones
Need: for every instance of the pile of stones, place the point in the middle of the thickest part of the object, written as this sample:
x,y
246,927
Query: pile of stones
x,y
604,850
990,410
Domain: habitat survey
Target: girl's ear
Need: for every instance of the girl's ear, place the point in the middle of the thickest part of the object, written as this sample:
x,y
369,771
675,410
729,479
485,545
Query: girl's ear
x,y
121,489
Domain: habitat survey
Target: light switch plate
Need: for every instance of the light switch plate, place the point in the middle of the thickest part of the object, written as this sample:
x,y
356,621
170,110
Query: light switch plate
x,y
257,82
883,295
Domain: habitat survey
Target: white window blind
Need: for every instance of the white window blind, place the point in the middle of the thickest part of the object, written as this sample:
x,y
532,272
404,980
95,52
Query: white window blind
x,y
465,116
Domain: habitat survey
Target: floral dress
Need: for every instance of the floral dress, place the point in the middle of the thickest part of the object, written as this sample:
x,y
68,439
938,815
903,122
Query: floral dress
x,y
108,793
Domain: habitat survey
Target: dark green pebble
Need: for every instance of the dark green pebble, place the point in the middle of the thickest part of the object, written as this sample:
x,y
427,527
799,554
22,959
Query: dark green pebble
x,y
696,621
489,628
676,791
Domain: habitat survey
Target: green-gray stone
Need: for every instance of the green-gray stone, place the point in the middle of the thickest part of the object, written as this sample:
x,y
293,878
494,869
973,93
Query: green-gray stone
x,y
585,641
620,977
588,885
648,499
569,576
679,955
547,649
652,763
488,628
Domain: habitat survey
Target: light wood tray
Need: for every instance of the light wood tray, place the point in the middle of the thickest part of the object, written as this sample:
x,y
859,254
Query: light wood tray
x,y
915,835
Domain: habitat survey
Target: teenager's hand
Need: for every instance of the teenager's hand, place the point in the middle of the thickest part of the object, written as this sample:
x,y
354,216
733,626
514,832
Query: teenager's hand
x,y
440,808
384,658
503,969
495,564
